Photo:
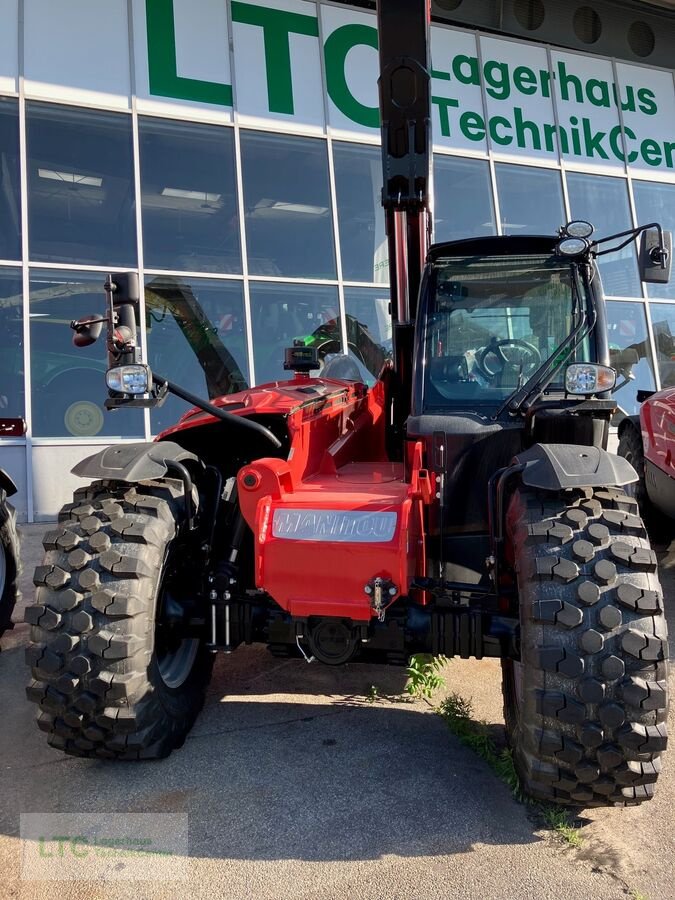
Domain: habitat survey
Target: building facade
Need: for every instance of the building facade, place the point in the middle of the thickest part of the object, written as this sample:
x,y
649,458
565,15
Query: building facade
x,y
228,151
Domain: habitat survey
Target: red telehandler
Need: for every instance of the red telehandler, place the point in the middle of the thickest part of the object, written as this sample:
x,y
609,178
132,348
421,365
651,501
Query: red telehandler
x,y
463,505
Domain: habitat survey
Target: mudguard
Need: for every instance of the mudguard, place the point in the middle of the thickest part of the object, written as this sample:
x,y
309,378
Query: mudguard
x,y
6,484
555,467
132,462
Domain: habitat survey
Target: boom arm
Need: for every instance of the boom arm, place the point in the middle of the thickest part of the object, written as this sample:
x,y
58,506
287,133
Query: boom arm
x,y
405,111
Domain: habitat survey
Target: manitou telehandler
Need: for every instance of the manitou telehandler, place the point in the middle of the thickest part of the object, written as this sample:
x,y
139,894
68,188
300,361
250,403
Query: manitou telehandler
x,y
464,504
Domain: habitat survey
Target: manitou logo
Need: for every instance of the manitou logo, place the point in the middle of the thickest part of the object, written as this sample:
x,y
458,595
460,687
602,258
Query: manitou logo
x,y
332,525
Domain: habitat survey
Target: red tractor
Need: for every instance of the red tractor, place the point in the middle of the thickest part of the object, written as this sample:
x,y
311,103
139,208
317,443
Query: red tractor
x,y
463,505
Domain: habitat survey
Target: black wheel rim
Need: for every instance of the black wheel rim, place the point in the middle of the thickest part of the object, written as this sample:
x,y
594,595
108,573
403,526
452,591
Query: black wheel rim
x,y
175,654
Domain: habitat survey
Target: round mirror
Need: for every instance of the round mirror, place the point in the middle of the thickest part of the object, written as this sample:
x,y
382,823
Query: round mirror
x,y
572,246
579,229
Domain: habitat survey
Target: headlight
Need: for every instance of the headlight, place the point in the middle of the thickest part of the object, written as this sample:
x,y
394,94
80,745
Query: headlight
x,y
587,378
572,246
578,229
129,379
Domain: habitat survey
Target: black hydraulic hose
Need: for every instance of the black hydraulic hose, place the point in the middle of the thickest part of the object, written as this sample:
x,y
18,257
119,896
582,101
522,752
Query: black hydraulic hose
x,y
216,411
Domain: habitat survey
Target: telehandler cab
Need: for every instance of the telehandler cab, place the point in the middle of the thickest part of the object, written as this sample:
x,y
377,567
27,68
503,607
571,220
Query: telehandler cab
x,y
463,505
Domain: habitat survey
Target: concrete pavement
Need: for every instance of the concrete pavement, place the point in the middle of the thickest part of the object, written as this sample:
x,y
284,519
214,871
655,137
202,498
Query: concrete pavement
x,y
296,785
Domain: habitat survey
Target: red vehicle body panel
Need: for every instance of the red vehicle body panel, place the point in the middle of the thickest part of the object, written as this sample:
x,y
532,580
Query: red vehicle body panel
x,y
336,513
657,420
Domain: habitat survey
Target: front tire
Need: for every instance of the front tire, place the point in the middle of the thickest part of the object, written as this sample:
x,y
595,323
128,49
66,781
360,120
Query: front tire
x,y
112,677
586,705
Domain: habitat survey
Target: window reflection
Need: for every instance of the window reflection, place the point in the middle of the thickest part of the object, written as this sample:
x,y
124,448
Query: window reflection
x,y
11,358
663,326
530,199
289,226
656,203
462,199
603,201
196,338
68,383
190,215
80,186
627,327
358,183
368,326
10,202
282,313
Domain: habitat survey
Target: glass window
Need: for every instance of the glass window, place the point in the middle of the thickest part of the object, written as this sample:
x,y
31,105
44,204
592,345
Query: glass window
x,y
282,313
190,214
368,326
68,383
289,226
627,327
11,358
491,322
10,201
196,337
603,201
656,203
530,199
358,183
462,199
80,186
663,326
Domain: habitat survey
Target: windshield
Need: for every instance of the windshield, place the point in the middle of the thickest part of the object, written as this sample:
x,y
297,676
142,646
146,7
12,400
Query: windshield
x,y
491,322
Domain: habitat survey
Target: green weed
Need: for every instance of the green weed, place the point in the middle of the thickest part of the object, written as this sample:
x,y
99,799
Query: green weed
x,y
458,714
424,677
373,694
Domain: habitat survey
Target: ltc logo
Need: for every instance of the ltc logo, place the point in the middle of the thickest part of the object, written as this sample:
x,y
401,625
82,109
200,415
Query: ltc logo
x,y
277,29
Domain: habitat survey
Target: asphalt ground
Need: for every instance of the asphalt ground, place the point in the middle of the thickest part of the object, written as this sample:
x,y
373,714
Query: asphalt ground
x,y
297,782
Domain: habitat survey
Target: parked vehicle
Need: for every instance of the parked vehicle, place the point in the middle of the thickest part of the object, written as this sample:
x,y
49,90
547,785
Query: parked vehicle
x,y
10,558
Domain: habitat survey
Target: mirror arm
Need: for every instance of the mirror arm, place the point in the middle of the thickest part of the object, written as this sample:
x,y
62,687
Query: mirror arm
x,y
632,234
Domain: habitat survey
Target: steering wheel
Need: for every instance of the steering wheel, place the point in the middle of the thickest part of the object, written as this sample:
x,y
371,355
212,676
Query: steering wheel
x,y
529,356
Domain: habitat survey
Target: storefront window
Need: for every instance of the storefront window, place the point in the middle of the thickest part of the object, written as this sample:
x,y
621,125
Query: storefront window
x,y
80,186
190,214
656,203
282,313
462,199
68,383
603,201
530,199
663,326
627,327
368,326
196,338
289,225
10,202
11,358
358,182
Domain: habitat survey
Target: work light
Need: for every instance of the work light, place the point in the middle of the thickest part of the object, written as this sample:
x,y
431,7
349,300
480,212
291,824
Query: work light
x,y
588,378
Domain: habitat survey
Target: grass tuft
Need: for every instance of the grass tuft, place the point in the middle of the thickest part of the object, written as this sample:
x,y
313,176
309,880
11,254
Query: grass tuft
x,y
458,714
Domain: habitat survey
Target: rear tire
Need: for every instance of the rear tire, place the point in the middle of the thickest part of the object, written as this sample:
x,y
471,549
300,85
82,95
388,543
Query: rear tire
x,y
586,706
10,565
107,679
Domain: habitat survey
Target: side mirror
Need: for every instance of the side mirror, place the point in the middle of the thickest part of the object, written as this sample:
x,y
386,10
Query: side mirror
x,y
655,256
87,330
